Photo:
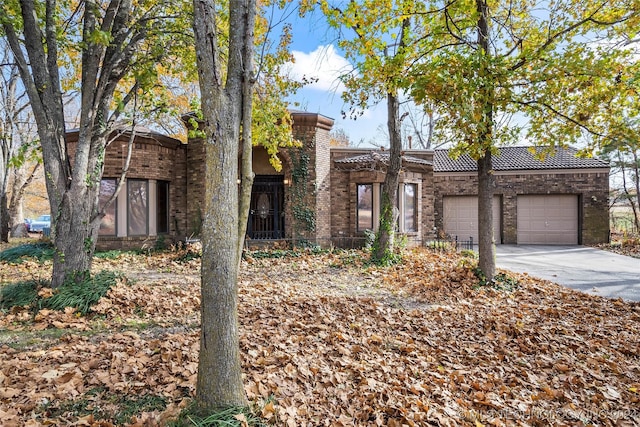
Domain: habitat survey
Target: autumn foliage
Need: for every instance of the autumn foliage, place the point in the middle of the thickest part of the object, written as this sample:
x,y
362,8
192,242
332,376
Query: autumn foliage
x,y
327,340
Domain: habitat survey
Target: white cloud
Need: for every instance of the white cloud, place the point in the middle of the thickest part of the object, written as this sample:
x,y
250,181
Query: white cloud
x,y
323,64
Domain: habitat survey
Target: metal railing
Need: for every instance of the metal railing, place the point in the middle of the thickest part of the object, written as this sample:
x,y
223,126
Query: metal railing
x,y
449,243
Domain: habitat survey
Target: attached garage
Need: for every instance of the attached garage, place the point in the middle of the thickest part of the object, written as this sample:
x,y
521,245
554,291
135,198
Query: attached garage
x,y
548,219
461,217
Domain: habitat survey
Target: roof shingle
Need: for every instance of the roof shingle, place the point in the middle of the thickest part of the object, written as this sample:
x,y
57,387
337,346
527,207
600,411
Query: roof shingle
x,y
518,158
379,156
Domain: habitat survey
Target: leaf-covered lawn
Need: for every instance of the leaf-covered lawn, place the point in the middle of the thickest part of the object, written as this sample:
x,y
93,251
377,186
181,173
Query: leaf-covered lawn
x,y
328,341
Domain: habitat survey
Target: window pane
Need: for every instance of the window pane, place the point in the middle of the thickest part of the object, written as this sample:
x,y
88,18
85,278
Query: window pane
x,y
108,224
365,207
137,212
410,207
162,207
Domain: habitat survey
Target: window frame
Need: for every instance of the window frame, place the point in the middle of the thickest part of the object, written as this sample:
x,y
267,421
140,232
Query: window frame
x,y
167,207
113,207
358,208
129,215
403,211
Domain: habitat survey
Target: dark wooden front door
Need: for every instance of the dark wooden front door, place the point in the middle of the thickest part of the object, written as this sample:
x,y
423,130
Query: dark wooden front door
x,y
266,214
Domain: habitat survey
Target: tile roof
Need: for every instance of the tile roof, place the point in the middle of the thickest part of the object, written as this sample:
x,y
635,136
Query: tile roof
x,y
379,156
517,158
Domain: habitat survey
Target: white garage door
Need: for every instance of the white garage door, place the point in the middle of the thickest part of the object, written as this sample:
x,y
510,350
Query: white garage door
x,y
548,219
461,217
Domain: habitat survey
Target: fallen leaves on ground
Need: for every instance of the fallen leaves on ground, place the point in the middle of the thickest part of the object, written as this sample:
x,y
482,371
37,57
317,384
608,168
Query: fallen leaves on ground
x,y
329,341
623,244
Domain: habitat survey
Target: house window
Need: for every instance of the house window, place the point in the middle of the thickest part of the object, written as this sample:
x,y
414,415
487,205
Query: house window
x,y
365,207
108,224
410,208
162,207
137,207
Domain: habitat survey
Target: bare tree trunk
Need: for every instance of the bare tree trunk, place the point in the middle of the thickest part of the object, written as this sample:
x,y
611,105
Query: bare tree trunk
x,y
384,242
383,245
219,382
247,175
486,244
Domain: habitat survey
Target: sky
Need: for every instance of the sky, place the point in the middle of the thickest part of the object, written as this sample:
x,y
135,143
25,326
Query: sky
x,y
317,56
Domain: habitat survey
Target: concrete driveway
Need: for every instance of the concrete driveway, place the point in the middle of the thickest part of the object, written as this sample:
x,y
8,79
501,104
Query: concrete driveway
x,y
583,268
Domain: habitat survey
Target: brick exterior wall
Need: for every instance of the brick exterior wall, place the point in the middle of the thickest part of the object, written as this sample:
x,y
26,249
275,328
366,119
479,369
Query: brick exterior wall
x,y
195,174
313,131
344,183
329,192
154,157
591,187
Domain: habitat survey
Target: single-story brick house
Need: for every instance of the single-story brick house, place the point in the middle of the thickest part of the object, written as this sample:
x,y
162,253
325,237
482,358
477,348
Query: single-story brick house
x,y
331,195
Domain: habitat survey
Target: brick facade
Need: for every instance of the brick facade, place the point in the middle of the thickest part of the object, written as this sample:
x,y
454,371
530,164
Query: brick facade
x,y
344,181
320,187
591,187
313,131
154,158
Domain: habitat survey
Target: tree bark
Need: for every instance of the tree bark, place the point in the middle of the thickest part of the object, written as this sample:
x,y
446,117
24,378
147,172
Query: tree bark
x,y
246,174
219,381
385,237
486,244
383,245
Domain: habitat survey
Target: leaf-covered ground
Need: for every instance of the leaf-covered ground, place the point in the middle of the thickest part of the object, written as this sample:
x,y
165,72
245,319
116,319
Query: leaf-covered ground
x,y
328,341
623,245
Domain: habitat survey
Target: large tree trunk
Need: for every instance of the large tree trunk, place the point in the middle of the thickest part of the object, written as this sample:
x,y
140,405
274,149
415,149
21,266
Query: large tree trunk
x,y
246,173
219,382
383,245
486,242
72,261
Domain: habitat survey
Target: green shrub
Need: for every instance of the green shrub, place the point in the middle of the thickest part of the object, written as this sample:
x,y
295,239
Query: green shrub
x,y
19,294
469,253
112,254
500,282
230,417
42,251
80,295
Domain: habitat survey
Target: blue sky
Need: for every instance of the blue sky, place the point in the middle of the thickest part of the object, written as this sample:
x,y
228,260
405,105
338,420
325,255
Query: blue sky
x,y
317,56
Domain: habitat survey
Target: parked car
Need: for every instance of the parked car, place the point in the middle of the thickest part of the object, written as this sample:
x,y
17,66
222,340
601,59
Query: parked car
x,y
39,224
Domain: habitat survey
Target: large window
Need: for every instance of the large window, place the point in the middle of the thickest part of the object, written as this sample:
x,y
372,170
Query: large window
x,y
137,207
108,224
410,205
368,207
162,207
365,207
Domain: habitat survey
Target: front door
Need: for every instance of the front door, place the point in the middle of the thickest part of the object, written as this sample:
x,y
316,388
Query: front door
x,y
266,213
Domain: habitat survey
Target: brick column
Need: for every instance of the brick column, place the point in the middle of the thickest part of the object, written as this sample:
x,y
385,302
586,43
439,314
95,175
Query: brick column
x,y
313,131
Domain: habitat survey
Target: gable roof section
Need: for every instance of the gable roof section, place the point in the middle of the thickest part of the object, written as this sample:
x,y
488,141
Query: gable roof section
x,y
518,158
373,158
124,131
